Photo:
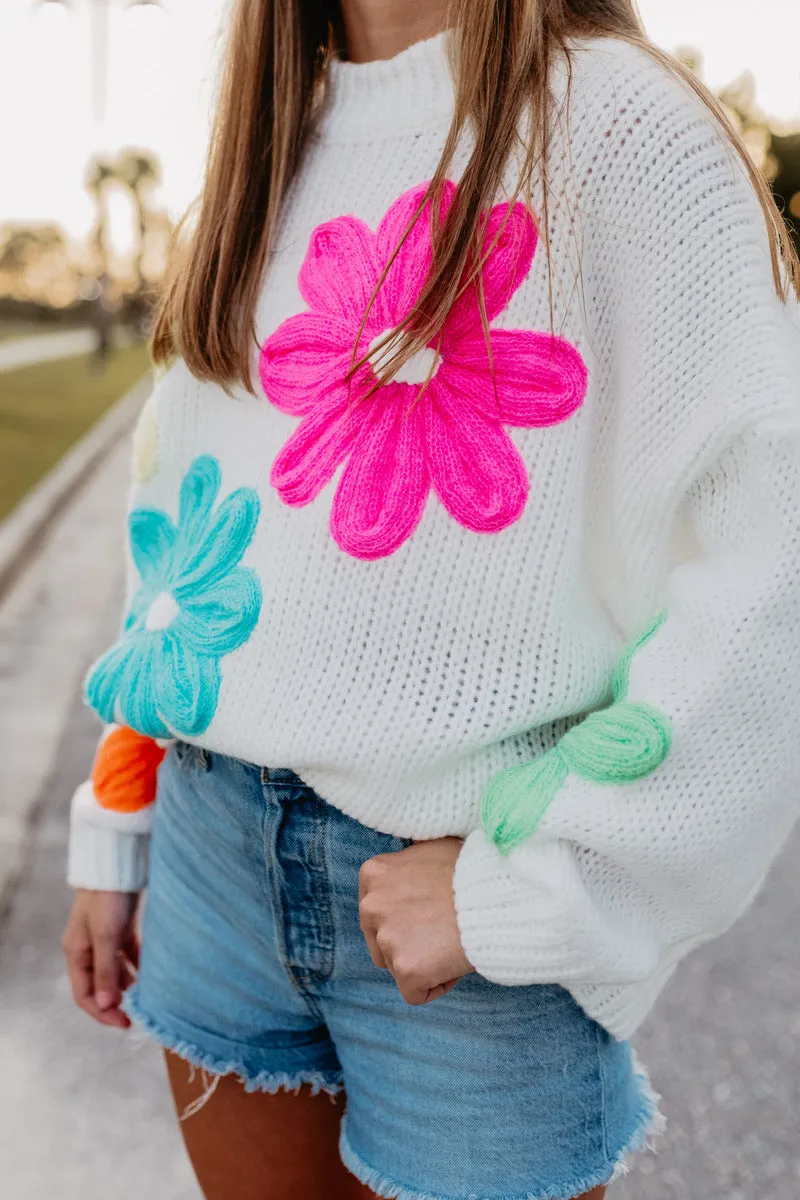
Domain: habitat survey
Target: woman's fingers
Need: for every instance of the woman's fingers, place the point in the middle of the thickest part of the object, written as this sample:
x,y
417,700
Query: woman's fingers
x,y
107,968
369,916
81,978
441,990
79,972
371,938
407,914
101,953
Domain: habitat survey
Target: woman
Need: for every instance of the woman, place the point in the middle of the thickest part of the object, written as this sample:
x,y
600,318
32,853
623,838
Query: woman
x,y
463,601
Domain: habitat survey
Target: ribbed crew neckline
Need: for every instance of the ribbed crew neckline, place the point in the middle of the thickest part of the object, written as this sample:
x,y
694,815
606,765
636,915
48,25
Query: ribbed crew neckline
x,y
412,90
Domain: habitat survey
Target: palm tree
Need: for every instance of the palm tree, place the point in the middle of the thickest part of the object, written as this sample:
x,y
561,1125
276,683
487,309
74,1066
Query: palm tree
x,y
139,171
100,173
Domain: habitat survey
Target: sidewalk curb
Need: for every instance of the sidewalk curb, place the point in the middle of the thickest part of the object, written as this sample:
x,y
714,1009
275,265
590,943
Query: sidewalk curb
x,y
45,347
23,528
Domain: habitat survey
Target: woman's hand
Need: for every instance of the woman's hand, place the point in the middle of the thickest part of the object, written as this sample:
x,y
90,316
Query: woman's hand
x,y
102,952
408,916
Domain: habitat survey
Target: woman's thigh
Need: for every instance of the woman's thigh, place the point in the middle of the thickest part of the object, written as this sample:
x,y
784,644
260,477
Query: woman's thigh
x,y
255,1146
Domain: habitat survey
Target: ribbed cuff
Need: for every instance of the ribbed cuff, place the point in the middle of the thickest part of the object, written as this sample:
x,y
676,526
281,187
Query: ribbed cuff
x,y
534,925
511,930
106,859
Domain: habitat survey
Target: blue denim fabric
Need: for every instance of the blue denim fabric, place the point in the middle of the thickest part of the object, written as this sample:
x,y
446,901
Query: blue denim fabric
x,y
253,963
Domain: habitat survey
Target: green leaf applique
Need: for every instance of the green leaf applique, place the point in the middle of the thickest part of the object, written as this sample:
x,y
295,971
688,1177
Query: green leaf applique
x,y
617,745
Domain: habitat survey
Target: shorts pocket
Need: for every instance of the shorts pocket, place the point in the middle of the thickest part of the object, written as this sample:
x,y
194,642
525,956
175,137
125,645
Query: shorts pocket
x,y
190,757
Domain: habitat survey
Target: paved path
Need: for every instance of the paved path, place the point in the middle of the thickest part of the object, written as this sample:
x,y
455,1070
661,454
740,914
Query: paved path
x,y
42,347
48,624
83,1110
84,1113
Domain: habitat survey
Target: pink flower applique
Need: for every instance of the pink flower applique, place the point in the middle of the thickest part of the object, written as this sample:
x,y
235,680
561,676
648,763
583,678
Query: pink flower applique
x,y
410,435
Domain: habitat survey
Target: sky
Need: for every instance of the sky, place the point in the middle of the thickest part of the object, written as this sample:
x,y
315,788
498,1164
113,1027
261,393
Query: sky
x,y
161,84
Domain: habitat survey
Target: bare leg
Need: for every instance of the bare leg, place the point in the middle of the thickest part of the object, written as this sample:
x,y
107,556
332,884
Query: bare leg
x,y
254,1146
259,1147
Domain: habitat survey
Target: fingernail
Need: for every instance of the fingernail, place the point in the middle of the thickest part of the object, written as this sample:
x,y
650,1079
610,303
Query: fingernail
x,y
104,999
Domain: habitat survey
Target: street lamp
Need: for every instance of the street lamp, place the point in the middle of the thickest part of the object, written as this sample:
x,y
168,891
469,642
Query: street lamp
x,y
100,44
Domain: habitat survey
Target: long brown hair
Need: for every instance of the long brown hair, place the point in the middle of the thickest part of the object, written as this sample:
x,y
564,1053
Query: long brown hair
x,y
274,68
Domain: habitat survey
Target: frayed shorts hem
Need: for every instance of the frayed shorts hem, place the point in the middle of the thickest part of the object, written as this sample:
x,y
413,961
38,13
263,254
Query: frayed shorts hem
x,y
650,1124
253,1081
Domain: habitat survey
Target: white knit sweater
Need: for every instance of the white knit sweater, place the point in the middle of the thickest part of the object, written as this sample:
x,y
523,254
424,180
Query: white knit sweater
x,y
401,603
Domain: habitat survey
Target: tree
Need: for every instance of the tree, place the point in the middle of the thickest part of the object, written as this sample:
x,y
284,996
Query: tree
x,y
140,172
100,173
786,184
36,264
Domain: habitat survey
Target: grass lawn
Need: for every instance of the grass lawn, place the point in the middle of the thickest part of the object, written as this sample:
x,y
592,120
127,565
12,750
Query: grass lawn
x,y
46,407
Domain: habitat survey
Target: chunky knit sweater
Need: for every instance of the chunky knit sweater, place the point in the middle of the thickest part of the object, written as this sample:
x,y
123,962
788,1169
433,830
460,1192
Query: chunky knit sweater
x,y
542,590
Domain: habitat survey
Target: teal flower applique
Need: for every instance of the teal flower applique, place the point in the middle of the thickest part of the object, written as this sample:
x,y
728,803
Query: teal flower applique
x,y
195,605
616,745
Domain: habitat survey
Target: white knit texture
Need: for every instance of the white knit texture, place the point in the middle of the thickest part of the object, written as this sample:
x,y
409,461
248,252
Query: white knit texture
x,y
399,687
107,851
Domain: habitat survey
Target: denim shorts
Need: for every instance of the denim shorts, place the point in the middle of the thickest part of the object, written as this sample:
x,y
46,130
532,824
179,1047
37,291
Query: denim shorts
x,y
253,964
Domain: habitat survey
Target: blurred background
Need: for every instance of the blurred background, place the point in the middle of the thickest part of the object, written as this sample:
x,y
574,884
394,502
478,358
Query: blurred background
x,y
104,118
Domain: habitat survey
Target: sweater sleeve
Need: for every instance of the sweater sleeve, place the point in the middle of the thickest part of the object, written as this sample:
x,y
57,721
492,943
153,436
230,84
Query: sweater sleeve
x,y
650,828
112,814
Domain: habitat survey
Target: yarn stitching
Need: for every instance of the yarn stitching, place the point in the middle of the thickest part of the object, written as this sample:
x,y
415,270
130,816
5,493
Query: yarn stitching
x,y
195,605
125,770
617,745
439,424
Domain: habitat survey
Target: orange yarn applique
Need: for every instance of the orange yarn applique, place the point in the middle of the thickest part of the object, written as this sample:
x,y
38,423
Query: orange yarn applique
x,y
125,770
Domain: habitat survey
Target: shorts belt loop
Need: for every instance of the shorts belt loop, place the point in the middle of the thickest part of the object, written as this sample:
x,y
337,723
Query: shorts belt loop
x,y
265,774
